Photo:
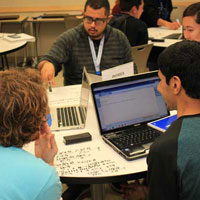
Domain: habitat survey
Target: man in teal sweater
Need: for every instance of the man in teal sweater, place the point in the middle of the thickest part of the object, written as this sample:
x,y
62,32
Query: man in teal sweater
x,y
174,161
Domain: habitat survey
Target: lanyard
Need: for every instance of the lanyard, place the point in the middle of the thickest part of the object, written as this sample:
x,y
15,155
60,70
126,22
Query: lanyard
x,y
161,6
164,10
96,59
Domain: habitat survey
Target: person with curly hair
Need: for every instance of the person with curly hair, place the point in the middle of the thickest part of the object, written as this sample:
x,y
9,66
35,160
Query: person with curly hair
x,y
23,108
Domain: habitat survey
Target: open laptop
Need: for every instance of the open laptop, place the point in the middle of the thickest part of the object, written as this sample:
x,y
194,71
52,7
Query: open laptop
x,y
124,107
72,116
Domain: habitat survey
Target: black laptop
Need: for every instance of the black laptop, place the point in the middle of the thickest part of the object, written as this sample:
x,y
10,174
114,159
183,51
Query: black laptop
x,y
124,107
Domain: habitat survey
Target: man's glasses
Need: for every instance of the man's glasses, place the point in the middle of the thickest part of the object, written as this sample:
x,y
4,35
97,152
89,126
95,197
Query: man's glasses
x,y
97,21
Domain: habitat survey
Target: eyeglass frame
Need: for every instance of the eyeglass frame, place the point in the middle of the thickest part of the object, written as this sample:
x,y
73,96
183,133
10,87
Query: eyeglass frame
x,y
96,21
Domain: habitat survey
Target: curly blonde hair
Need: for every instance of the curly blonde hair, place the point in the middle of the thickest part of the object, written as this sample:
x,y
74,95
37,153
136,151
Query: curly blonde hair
x,y
23,106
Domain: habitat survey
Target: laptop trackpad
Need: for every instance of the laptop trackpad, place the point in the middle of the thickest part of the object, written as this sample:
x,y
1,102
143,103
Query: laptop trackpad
x,y
135,150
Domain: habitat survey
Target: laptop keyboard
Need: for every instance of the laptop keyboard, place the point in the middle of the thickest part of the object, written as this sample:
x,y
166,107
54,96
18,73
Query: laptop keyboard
x,y
135,137
68,116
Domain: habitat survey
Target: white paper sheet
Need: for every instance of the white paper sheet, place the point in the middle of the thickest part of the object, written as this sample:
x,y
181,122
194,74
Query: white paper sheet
x,y
160,32
64,95
118,71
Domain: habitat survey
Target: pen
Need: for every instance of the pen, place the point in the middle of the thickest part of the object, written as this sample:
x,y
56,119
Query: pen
x,y
180,37
50,86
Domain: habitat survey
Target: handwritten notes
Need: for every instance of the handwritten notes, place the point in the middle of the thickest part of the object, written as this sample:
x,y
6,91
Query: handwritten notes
x,y
85,162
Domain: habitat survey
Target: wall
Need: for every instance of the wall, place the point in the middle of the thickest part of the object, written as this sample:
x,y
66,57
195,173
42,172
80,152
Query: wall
x,y
33,3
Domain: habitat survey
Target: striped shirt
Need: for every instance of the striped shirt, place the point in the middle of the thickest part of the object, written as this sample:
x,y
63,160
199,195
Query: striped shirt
x,y
72,49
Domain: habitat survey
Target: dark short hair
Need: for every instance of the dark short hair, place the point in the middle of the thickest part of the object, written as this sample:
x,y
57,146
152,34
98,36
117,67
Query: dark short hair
x,y
193,10
23,107
97,4
126,5
182,59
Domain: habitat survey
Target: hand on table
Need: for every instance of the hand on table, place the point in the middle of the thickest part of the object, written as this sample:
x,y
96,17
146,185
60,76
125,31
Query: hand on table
x,y
171,25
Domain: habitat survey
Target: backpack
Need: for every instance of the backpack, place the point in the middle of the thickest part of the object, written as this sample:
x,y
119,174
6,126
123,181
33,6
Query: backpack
x,y
119,21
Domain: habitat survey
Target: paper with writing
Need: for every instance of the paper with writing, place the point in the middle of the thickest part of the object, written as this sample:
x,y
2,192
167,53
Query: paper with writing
x,y
86,162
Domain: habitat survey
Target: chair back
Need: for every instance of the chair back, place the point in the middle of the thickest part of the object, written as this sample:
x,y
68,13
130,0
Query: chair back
x,y
72,20
140,56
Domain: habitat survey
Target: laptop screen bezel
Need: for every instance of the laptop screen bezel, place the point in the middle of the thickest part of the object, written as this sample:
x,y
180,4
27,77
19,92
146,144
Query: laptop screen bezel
x,y
117,81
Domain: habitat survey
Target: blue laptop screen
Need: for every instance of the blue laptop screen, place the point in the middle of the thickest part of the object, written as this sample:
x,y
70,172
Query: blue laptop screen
x,y
122,104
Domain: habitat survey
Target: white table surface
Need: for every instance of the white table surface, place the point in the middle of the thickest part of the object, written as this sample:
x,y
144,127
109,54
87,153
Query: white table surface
x,y
6,46
160,32
93,159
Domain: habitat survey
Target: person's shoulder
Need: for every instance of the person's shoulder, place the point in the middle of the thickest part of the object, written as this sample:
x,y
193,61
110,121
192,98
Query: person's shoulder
x,y
168,139
26,162
118,19
190,127
115,33
29,172
47,173
31,162
33,159
133,21
47,178
120,16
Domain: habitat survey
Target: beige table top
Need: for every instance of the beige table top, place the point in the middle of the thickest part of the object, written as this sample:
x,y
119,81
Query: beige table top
x,y
7,47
